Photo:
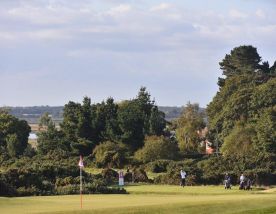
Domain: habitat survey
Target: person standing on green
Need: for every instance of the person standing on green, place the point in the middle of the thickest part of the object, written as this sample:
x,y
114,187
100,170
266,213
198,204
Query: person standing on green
x,y
183,177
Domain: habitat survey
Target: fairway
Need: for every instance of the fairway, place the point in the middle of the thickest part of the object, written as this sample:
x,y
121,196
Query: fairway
x,y
151,199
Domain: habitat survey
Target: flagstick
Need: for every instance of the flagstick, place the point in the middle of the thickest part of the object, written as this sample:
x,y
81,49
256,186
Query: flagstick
x,y
81,187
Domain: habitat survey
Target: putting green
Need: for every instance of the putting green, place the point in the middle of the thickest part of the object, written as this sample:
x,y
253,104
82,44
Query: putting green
x,y
150,199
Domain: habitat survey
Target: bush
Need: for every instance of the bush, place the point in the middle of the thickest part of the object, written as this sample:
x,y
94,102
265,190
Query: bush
x,y
213,170
5,188
156,148
67,190
139,175
28,191
110,175
128,177
158,166
109,154
171,178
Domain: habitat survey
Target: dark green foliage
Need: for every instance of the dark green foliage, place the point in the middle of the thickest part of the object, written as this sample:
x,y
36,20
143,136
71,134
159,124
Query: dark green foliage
x,y
213,170
70,120
5,188
241,60
248,96
49,138
14,134
158,166
131,123
82,146
50,176
128,177
157,122
127,122
173,173
110,175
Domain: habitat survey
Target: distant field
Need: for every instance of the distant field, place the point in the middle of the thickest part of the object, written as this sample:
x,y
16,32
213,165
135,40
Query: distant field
x,y
151,199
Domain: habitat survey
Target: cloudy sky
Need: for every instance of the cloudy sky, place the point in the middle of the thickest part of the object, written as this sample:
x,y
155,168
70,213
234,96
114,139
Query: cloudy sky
x,y
53,51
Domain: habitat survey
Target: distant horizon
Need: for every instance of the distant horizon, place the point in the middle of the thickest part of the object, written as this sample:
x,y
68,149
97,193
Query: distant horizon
x,y
54,51
80,102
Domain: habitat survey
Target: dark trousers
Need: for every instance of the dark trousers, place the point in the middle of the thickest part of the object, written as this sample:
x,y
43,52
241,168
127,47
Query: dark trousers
x,y
183,182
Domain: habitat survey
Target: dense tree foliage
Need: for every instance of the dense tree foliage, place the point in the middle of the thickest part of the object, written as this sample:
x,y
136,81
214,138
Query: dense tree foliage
x,y
14,134
87,125
49,138
242,114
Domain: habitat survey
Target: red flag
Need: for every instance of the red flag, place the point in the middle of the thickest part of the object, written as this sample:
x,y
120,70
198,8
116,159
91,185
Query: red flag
x,y
81,162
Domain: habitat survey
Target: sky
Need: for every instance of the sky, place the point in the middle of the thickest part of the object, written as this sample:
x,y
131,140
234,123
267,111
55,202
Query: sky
x,y
56,51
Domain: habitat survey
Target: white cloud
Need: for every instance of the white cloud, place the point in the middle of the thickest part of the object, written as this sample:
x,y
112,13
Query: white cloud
x,y
260,14
6,36
161,7
40,15
119,10
48,34
237,14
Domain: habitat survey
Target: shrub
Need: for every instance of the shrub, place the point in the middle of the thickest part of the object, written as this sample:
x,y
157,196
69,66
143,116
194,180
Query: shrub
x,y
213,170
110,175
139,175
5,188
158,166
28,191
171,178
157,148
128,177
67,190
109,154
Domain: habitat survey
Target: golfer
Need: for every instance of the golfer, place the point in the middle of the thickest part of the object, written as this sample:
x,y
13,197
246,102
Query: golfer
x,y
183,177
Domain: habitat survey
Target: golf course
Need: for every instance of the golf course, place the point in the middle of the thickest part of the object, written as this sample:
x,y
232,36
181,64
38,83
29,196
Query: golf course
x,y
150,199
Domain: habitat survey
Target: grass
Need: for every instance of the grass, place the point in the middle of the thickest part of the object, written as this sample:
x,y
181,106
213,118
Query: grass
x,y
150,199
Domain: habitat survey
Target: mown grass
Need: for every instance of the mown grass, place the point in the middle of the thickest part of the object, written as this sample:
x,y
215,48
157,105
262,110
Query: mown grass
x,y
150,199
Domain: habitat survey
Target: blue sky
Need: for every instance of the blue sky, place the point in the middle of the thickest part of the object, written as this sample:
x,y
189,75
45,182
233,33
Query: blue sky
x,y
53,51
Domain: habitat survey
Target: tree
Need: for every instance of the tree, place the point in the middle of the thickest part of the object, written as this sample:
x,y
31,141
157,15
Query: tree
x,y
145,105
85,128
45,121
49,138
112,130
242,114
69,125
14,134
157,122
189,123
131,123
13,145
241,60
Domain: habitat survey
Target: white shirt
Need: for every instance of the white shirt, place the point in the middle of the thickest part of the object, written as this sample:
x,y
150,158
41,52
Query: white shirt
x,y
183,174
242,178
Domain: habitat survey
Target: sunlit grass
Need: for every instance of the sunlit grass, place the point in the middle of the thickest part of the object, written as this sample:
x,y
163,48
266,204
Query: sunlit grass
x,y
151,199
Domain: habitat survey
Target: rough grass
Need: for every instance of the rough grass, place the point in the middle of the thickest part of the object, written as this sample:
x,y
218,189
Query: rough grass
x,y
151,199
